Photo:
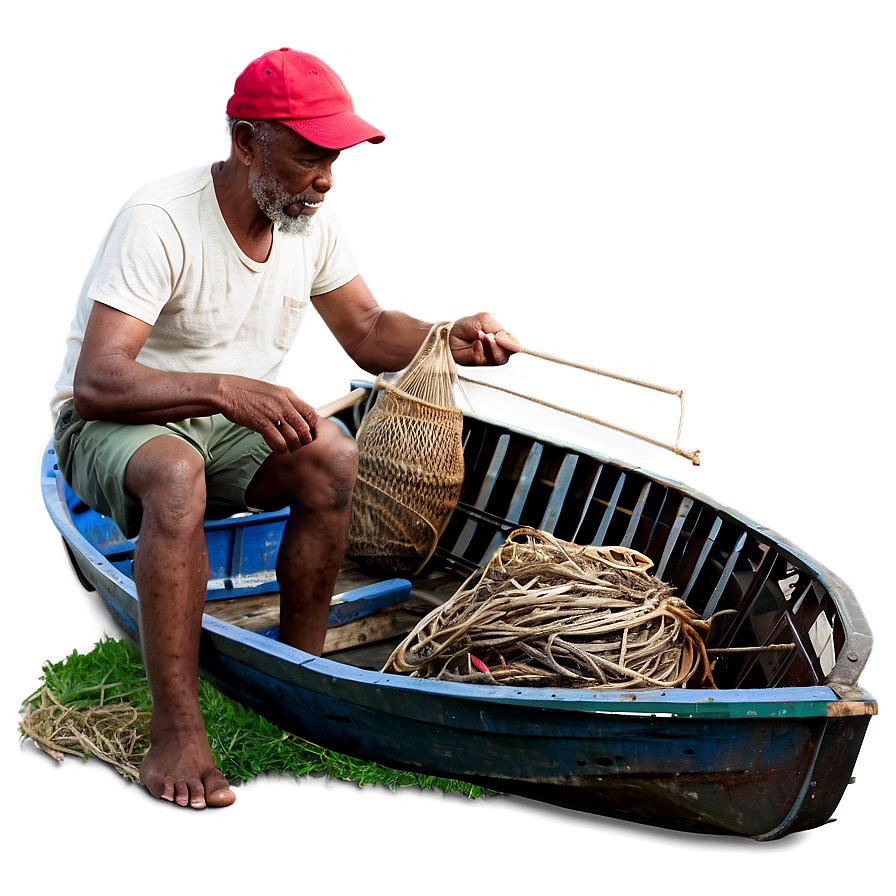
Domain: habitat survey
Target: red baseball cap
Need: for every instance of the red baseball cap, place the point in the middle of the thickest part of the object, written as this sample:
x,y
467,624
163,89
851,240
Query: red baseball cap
x,y
304,93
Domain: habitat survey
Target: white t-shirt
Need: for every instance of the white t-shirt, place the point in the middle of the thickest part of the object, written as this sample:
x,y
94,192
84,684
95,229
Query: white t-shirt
x,y
170,260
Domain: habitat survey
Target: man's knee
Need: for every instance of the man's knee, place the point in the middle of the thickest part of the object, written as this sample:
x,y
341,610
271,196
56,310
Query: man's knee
x,y
317,477
331,470
167,476
343,456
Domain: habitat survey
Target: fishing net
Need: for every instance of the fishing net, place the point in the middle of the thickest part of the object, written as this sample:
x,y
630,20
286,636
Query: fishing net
x,y
411,463
548,613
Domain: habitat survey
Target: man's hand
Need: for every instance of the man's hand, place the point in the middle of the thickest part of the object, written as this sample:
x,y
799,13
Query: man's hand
x,y
284,421
479,340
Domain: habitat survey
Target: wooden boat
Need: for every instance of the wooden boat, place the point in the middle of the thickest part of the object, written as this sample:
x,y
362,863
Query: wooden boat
x,y
768,753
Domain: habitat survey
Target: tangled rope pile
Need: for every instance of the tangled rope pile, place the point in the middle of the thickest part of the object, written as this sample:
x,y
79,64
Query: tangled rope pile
x,y
116,733
548,613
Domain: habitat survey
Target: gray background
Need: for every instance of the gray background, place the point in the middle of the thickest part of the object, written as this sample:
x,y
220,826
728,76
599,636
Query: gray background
x,y
700,194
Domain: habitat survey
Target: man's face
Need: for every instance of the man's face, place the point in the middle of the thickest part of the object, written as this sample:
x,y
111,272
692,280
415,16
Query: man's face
x,y
290,178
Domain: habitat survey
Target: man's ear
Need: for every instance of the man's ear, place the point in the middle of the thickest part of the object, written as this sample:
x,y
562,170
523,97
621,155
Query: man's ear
x,y
243,142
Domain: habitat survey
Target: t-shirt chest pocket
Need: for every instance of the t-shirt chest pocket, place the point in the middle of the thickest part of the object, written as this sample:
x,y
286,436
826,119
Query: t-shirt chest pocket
x,y
291,314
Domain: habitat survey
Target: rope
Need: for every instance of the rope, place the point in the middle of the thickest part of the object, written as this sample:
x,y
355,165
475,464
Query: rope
x,y
600,371
692,454
548,613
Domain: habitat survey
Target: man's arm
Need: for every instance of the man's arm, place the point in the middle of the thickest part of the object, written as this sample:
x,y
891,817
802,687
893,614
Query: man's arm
x,y
111,385
378,340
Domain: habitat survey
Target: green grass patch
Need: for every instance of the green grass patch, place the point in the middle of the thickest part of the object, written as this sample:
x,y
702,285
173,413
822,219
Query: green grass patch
x,y
243,743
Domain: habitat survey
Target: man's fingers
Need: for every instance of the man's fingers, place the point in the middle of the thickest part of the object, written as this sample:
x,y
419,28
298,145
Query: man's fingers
x,y
296,433
507,341
492,331
487,342
303,419
273,434
495,348
296,427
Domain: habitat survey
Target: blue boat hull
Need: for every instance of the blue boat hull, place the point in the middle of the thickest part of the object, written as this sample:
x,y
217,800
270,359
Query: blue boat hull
x,y
759,762
742,776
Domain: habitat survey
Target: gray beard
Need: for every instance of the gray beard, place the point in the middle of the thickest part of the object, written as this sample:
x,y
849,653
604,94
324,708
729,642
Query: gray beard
x,y
272,200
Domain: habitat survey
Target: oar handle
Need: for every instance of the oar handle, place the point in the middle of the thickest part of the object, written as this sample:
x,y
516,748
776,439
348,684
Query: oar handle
x,y
356,396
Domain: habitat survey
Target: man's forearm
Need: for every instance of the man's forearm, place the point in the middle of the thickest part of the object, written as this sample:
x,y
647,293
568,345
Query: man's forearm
x,y
391,342
129,392
394,338
122,391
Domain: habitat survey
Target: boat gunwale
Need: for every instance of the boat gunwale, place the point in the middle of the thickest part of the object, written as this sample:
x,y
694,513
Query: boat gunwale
x,y
792,702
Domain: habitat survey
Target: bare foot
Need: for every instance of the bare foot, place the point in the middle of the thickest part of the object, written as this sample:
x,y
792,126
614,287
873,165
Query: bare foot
x,y
178,767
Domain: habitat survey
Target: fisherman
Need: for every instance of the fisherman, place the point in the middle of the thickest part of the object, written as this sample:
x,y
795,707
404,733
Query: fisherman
x,y
168,408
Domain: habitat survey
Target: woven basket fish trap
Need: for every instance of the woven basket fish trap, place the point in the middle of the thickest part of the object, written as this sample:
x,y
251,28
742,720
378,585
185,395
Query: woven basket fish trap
x,y
548,613
411,463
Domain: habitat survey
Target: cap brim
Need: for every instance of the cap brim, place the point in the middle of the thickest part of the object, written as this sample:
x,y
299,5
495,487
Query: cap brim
x,y
339,131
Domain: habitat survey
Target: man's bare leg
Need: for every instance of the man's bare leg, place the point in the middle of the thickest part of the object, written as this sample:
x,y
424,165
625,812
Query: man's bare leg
x,y
171,573
316,481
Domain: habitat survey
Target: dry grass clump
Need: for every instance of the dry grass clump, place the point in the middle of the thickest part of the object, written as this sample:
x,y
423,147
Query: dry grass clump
x,y
116,733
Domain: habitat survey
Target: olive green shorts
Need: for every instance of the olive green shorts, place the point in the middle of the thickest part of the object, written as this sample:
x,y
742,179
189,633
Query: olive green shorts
x,y
93,455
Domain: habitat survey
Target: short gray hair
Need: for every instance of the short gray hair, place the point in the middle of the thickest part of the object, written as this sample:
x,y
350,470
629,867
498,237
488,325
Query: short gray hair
x,y
262,130
261,126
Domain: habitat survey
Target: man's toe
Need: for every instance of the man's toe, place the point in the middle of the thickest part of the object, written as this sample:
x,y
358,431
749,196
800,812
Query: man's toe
x,y
182,793
160,786
218,793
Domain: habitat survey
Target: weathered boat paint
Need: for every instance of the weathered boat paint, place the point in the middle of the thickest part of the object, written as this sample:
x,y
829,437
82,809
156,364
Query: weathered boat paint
x,y
761,761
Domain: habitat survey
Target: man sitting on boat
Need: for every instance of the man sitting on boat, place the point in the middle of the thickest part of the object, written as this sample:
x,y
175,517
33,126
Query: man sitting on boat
x,y
193,301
